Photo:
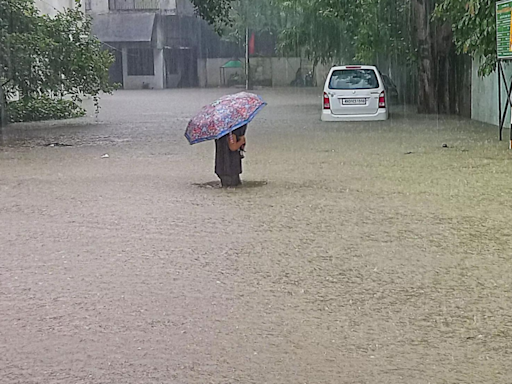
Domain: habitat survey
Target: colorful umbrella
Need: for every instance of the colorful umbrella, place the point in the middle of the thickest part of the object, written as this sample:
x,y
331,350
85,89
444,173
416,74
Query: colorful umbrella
x,y
223,116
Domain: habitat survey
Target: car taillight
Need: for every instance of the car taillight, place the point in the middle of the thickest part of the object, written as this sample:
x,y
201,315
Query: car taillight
x,y
382,100
327,101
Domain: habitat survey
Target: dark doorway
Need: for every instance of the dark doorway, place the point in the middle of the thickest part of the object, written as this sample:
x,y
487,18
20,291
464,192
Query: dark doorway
x,y
181,68
189,76
116,70
172,68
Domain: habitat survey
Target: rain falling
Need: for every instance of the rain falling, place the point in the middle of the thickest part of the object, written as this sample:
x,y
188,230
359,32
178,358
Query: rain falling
x,y
265,191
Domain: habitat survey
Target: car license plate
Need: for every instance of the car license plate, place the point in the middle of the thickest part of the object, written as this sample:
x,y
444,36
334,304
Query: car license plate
x,y
353,101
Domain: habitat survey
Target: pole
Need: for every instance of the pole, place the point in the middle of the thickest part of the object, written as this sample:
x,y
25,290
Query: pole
x,y
510,98
3,108
247,60
499,100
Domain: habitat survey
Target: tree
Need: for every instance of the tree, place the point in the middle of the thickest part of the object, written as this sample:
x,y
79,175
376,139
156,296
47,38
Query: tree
x,y
245,18
434,43
474,29
56,56
364,31
328,29
317,31
389,33
357,31
396,32
215,12
257,15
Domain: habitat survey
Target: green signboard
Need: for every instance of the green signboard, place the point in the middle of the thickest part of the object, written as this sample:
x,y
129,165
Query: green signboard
x,y
504,29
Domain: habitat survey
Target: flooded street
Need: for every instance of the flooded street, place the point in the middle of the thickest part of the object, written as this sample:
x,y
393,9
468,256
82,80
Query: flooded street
x,y
355,253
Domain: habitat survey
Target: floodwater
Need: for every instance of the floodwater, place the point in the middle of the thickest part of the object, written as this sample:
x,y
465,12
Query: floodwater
x,y
357,253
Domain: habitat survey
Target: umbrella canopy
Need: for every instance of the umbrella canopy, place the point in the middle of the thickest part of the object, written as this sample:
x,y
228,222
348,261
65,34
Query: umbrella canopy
x,y
223,116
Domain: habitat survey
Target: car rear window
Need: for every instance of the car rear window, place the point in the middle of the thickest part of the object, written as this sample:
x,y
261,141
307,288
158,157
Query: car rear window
x,y
354,79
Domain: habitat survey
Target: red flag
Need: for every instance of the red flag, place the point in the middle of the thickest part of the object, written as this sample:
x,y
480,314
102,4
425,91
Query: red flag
x,y
251,45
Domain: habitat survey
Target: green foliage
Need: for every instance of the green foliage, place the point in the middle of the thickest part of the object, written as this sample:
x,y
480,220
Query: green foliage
x,y
474,29
323,30
43,108
257,15
215,12
42,55
359,31
318,32
363,30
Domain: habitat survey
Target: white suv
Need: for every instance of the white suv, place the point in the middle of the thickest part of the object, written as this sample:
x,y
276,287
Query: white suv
x,y
354,93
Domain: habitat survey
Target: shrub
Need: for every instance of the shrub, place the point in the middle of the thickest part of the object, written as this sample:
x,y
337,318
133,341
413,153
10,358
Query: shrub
x,y
43,108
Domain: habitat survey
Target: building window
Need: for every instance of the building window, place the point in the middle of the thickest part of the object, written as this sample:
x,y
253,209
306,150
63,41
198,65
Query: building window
x,y
130,5
140,62
146,4
88,5
119,5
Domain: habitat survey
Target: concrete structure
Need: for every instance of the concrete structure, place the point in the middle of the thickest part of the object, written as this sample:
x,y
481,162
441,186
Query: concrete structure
x,y
136,41
51,7
484,100
162,44
167,7
266,71
155,42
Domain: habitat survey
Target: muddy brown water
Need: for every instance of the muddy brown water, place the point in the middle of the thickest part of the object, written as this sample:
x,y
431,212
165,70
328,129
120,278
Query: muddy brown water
x,y
355,253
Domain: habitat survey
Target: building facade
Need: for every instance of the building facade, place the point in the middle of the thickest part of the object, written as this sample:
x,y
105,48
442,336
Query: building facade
x,y
156,43
52,7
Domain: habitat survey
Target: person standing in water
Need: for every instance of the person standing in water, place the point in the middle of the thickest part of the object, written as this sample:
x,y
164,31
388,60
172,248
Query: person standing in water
x,y
228,157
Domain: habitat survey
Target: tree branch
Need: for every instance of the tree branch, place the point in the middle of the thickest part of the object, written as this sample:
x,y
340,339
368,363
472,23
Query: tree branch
x,y
6,82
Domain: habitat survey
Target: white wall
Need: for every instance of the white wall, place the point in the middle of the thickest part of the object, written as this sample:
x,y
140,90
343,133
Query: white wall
x,y
277,72
201,73
51,7
153,82
98,6
213,71
321,72
101,6
168,5
283,70
484,96
184,8
209,73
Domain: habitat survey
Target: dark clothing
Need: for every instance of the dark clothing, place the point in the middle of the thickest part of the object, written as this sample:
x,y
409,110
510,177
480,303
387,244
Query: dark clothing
x,y
228,163
230,181
240,131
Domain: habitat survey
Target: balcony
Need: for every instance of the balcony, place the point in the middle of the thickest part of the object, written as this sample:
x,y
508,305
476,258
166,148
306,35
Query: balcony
x,y
141,5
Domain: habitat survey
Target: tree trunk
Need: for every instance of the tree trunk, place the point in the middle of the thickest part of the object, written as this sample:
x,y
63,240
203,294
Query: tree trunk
x,y
436,62
427,90
462,85
3,109
444,52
